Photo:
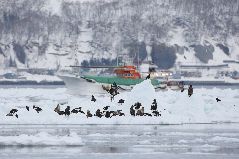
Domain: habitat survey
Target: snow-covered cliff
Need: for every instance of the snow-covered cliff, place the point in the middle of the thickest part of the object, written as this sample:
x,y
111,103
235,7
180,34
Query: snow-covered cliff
x,y
58,33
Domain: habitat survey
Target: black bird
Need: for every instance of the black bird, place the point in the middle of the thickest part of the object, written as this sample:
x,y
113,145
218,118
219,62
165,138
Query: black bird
x,y
13,111
107,114
38,109
154,105
148,77
67,110
121,101
98,113
93,98
190,90
154,101
61,112
184,57
9,114
218,100
79,110
114,85
137,105
120,113
182,89
88,114
75,111
132,111
57,108
156,113
27,108
106,107
147,114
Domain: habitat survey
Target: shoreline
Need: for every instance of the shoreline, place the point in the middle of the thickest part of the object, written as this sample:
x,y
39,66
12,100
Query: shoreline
x,y
32,83
211,83
62,83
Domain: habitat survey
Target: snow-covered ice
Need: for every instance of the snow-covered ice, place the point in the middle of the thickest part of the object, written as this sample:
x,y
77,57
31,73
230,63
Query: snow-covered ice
x,y
41,139
48,135
175,107
119,141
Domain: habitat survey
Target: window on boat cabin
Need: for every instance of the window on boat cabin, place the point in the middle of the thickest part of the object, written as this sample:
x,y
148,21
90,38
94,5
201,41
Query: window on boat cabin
x,y
127,74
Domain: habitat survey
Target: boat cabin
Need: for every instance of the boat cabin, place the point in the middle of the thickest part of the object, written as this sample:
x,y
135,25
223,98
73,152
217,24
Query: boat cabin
x,y
127,72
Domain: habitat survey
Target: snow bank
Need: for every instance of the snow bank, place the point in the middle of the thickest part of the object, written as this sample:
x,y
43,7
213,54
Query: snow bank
x,y
224,139
40,78
175,106
41,139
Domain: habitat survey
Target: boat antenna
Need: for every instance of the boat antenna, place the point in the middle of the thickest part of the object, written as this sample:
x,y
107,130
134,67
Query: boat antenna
x,y
117,59
137,55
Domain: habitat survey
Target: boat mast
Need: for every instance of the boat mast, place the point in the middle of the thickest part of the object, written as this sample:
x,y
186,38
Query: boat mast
x,y
138,57
117,59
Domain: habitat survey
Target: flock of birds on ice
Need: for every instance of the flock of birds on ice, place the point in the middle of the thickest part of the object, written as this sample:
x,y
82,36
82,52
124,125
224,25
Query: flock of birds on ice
x,y
135,110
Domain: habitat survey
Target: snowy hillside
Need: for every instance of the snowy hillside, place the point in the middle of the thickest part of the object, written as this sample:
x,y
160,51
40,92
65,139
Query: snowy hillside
x,y
54,34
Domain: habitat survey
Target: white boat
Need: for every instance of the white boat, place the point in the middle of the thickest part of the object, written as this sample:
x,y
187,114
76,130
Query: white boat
x,y
126,77
80,86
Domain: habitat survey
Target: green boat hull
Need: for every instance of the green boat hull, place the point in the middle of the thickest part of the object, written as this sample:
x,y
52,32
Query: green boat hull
x,y
118,80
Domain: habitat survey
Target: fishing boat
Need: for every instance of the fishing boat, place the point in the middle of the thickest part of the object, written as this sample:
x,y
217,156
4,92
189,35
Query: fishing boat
x,y
124,76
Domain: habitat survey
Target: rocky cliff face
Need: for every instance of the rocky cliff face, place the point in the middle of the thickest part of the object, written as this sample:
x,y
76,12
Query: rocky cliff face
x,y
54,34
